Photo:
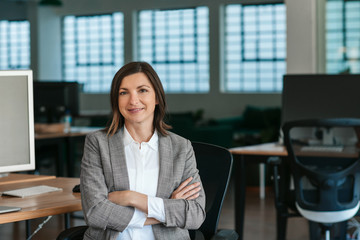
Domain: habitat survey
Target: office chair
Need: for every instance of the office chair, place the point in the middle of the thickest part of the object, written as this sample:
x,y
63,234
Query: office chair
x,y
214,164
326,185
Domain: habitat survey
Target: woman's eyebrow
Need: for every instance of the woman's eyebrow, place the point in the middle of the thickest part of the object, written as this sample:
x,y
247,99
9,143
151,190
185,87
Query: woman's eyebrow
x,y
141,86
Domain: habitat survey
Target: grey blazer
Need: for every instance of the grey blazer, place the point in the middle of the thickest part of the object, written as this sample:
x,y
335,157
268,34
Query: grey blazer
x,y
103,170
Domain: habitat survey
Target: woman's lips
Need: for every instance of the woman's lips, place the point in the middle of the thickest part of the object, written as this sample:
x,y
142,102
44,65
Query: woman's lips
x,y
135,110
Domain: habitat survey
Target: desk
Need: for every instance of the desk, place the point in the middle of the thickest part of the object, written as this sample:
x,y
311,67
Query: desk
x,y
42,205
260,154
65,147
75,132
244,155
21,178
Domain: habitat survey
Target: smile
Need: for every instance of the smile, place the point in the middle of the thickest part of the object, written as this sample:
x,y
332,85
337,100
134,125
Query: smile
x,y
135,110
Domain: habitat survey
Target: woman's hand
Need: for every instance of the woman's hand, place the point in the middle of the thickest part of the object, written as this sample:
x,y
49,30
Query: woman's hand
x,y
185,191
151,221
128,198
120,197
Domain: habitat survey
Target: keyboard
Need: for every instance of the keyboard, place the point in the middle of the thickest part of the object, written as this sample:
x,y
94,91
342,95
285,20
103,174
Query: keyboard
x,y
31,191
322,148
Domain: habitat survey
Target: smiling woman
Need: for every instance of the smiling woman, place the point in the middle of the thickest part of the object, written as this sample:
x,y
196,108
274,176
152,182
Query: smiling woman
x,y
136,175
146,79
137,103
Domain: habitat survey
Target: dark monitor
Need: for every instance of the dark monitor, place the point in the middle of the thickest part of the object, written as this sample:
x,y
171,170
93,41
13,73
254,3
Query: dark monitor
x,y
320,96
53,99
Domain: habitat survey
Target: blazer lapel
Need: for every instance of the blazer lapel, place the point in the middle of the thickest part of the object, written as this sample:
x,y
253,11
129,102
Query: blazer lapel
x,y
166,167
118,162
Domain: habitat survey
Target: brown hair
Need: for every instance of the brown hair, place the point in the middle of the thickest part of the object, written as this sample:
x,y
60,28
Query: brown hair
x,y
117,121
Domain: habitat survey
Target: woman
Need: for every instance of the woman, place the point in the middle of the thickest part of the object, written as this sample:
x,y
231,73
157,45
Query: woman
x,y
139,181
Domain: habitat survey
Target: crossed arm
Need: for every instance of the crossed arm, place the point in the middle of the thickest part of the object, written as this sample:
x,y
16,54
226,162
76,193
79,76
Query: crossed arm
x,y
128,198
114,211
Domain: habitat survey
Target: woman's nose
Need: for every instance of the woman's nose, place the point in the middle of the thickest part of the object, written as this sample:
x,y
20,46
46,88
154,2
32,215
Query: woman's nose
x,y
134,99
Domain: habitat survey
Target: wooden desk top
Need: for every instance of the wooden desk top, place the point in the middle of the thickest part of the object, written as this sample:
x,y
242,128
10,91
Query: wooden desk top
x,y
75,131
267,149
20,178
41,205
275,149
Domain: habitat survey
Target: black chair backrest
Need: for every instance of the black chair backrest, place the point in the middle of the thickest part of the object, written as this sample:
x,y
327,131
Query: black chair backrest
x,y
331,182
214,164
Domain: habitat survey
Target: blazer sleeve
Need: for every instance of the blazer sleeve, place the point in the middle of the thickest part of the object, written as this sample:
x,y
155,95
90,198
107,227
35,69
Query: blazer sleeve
x,y
187,214
98,210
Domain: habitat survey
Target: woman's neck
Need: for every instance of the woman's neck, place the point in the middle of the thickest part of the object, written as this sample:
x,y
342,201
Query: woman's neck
x,y
140,133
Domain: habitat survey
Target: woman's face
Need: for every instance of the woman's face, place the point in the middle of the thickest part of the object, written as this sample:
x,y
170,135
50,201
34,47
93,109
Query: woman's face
x,y
137,100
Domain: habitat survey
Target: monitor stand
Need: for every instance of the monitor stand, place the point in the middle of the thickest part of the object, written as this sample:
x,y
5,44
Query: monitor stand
x,y
328,136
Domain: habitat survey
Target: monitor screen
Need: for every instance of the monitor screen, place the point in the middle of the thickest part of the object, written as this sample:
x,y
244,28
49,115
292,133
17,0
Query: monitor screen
x,y
17,152
53,99
320,96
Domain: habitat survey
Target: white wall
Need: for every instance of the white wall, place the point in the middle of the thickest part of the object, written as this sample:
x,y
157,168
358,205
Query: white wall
x,y
305,36
302,49
49,45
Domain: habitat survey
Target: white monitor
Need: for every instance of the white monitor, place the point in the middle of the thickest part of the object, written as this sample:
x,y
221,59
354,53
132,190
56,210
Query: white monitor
x,y
17,140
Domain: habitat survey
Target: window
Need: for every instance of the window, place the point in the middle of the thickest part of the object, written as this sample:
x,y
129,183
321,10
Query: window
x,y
93,50
14,45
342,36
255,48
176,44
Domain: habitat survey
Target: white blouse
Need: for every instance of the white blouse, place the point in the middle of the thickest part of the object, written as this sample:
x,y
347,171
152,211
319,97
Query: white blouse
x,y
142,162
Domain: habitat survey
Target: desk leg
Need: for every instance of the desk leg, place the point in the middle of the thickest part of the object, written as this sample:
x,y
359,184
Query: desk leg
x,y
61,159
67,220
69,159
240,191
262,180
72,144
28,228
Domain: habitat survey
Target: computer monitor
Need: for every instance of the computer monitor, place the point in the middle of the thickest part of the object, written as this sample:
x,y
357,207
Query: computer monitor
x,y
312,96
307,96
52,100
17,151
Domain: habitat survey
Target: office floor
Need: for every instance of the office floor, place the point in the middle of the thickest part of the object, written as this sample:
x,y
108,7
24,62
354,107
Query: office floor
x,y
260,217
260,221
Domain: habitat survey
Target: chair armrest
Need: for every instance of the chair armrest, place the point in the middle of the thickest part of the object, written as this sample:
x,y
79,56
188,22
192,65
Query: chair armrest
x,y
73,233
225,234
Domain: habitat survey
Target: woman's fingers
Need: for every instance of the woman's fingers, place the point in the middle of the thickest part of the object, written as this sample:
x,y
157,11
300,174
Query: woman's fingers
x,y
187,192
183,184
191,193
193,196
187,189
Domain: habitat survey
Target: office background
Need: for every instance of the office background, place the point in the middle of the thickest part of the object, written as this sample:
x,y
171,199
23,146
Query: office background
x,y
305,47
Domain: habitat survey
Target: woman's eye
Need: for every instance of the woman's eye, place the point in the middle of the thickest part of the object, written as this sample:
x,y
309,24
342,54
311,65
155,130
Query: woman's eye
x,y
143,90
122,93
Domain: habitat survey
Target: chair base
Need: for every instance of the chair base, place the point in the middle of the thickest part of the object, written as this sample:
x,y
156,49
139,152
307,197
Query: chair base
x,y
329,216
337,231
